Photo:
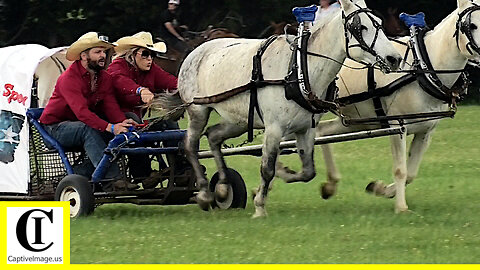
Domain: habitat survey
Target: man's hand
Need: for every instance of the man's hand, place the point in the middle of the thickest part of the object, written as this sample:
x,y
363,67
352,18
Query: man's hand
x,y
146,95
119,127
130,121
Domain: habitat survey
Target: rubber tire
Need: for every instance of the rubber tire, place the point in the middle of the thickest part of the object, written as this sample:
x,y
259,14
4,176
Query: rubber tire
x,y
81,189
239,190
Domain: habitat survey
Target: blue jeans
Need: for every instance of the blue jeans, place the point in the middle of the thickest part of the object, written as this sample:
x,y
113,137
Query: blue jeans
x,y
73,135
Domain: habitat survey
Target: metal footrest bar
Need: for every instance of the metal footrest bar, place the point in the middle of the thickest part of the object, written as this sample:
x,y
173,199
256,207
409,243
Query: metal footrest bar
x,y
256,150
433,115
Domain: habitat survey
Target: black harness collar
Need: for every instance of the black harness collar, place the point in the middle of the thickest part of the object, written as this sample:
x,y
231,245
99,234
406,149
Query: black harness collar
x,y
297,87
430,82
423,73
296,83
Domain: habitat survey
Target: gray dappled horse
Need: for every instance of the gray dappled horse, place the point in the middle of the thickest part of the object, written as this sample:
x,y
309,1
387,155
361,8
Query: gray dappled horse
x,y
223,64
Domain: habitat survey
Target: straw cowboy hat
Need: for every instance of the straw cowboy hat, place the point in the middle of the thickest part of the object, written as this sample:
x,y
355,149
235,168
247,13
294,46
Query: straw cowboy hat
x,y
141,39
85,42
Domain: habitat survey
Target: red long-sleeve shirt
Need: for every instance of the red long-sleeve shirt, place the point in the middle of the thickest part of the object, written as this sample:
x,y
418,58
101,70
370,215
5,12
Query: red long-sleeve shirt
x,y
127,78
73,99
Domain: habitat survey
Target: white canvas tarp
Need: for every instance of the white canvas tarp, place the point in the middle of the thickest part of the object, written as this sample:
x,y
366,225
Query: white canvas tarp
x,y
18,65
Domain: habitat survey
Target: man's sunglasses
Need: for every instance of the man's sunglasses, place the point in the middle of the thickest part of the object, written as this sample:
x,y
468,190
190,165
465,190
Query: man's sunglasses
x,y
146,53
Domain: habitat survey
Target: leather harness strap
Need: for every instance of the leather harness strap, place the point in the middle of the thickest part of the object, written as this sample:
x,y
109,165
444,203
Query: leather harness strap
x,y
310,102
428,81
377,103
256,82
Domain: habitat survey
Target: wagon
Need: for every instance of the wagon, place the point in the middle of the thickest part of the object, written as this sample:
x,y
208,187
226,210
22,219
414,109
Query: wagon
x,y
53,177
39,168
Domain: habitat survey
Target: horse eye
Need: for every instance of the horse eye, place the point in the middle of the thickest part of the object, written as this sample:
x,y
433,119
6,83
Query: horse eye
x,y
363,28
473,26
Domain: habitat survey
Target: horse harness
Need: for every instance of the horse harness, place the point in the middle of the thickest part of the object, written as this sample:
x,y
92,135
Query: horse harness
x,y
423,73
296,83
295,80
466,28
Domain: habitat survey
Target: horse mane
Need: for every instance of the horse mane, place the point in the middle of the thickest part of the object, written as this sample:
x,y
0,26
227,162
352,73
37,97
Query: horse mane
x,y
320,24
442,23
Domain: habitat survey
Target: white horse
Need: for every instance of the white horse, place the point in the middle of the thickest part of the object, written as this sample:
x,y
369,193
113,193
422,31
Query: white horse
x,y
47,74
224,64
445,54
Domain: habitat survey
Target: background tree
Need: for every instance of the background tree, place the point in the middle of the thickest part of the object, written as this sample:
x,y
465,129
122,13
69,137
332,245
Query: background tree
x,y
56,23
60,22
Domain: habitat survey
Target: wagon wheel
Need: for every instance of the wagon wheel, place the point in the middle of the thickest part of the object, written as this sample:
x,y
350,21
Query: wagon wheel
x,y
76,189
237,191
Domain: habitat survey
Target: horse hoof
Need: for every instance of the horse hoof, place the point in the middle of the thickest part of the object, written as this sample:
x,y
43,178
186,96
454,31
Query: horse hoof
x,y
327,190
400,210
204,200
259,214
221,191
370,187
376,188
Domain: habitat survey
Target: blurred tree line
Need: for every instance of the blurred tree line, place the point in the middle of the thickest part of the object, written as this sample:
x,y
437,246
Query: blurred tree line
x,y
60,22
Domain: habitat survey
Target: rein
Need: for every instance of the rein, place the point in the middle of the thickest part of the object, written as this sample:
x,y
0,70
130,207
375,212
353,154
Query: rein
x,y
423,72
296,84
422,65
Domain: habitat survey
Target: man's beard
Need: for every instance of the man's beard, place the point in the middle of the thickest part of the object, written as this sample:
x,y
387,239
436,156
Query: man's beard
x,y
93,65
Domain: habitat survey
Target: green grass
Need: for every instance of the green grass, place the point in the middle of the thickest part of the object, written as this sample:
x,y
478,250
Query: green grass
x,y
352,227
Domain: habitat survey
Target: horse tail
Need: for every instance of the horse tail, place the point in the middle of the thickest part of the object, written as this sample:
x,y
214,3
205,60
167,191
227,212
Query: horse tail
x,y
167,106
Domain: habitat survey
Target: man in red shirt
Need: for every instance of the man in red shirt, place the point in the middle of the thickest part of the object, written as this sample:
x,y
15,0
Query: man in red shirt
x,y
82,93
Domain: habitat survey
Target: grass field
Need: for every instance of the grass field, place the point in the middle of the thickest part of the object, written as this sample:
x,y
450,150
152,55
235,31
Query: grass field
x,y
443,225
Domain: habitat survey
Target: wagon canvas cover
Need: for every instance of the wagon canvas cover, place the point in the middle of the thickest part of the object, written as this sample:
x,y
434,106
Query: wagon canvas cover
x,y
17,68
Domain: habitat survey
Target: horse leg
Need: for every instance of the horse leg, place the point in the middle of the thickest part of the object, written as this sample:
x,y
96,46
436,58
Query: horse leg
x,y
329,188
198,120
418,147
270,151
399,153
216,135
331,127
305,149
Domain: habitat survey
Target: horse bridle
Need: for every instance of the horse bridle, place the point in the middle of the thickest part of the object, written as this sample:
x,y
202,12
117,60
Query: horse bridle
x,y
355,28
463,26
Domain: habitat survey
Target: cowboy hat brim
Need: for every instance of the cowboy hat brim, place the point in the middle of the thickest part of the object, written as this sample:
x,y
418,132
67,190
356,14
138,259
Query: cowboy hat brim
x,y
73,52
126,43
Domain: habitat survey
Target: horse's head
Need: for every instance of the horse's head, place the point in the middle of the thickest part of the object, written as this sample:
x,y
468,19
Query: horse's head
x,y
365,40
467,29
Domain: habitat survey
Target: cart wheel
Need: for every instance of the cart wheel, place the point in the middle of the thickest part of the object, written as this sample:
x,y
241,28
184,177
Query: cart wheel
x,y
237,192
76,189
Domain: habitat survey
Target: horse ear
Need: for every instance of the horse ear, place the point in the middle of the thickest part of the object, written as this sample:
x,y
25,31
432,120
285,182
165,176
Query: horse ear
x,y
360,3
462,4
